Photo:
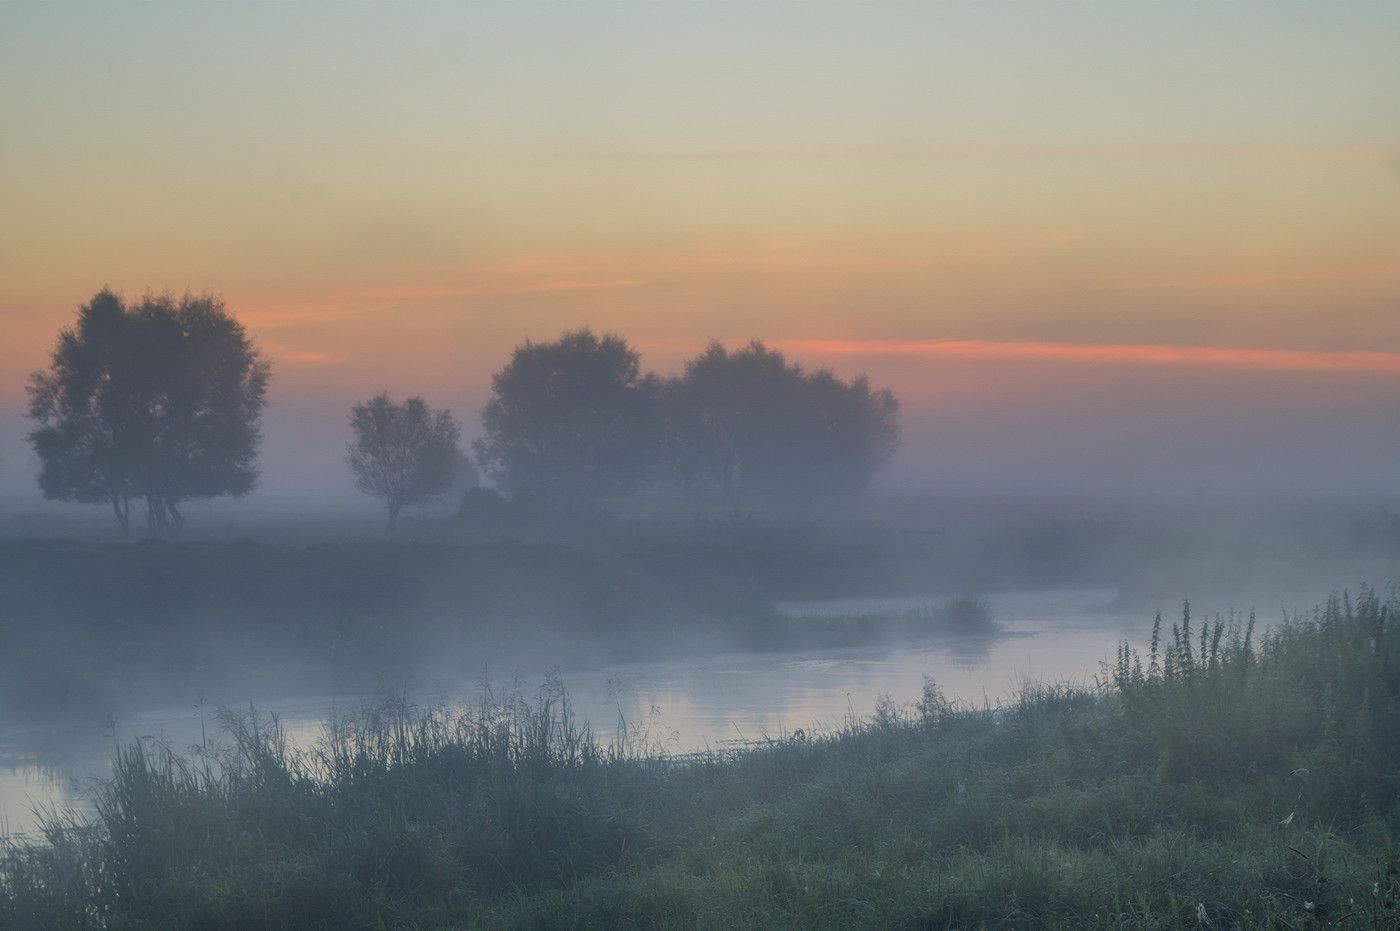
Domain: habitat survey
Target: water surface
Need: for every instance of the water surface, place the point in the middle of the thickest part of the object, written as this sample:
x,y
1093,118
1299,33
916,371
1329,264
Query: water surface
x,y
678,705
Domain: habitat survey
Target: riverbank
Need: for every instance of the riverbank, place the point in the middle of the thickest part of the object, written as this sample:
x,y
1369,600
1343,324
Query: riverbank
x,y
1226,778
100,628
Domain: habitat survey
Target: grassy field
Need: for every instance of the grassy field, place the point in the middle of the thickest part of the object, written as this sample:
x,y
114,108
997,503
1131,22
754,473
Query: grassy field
x,y
1231,777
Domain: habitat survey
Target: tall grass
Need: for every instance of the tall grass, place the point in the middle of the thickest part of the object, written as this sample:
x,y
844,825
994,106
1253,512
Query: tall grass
x,y
1320,693
1230,777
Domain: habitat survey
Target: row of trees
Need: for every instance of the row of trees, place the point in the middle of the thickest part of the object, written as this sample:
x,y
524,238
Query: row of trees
x,y
576,419
159,402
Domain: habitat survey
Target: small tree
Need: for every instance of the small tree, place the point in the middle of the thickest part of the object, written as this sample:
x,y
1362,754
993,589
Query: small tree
x,y
158,402
404,453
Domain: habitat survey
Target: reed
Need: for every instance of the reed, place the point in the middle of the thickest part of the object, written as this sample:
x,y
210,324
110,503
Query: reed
x,y
1230,777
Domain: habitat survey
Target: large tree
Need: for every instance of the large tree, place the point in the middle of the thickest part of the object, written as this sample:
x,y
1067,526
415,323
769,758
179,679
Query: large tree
x,y
571,421
404,453
747,422
156,402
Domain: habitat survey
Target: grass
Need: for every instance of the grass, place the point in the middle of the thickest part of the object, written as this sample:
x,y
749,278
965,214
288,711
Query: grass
x,y
1230,777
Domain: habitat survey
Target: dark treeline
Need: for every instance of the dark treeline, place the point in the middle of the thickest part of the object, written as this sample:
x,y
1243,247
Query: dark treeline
x,y
576,420
159,402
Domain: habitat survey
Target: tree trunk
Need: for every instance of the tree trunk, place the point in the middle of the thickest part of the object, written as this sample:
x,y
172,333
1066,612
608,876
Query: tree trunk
x,y
733,482
121,504
162,518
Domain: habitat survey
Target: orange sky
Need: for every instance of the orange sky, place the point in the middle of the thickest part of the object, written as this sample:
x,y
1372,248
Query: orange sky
x,y
975,205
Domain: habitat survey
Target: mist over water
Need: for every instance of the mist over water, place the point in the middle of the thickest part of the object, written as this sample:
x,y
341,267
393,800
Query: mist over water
x,y
807,361
1076,522
1066,579
1039,430
686,704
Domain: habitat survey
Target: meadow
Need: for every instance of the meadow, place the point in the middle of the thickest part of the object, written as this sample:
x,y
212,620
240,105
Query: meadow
x,y
1233,775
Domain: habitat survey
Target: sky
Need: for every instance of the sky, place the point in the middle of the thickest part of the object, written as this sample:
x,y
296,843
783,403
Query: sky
x,y
1107,245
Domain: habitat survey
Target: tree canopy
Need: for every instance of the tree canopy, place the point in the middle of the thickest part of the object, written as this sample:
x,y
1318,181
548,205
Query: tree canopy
x,y
748,422
404,453
156,402
575,420
571,420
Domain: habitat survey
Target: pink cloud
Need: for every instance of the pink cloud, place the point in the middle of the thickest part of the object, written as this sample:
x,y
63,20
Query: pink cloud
x,y
1258,359
344,305
283,353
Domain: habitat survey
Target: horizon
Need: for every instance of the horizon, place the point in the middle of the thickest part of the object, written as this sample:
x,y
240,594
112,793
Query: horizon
x,y
1108,248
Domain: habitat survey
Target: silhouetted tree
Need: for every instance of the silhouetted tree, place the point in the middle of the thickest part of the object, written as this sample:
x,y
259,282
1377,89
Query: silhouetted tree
x,y
157,402
747,422
572,420
465,476
404,453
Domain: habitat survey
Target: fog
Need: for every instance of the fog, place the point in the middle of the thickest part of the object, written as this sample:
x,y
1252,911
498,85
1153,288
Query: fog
x,y
1004,545
1240,491
1042,430
1276,483
1206,435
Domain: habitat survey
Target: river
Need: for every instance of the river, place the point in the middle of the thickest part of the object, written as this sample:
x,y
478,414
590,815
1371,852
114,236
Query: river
x,y
680,705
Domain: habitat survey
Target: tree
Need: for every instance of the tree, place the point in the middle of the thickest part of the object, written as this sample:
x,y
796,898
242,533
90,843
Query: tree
x,y
747,422
157,402
404,453
572,420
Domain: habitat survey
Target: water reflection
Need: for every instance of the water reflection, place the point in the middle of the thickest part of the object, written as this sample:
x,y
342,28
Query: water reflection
x,y
680,705
715,702
33,781
27,785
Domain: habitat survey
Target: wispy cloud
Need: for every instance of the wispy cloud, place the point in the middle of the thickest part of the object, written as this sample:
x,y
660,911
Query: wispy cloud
x,y
593,270
1335,273
283,353
1264,154
582,285
1250,358
345,305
